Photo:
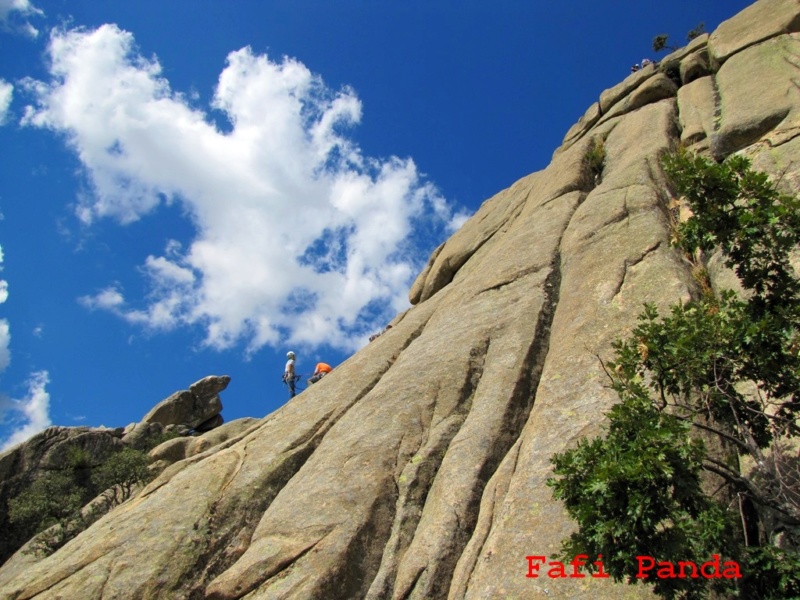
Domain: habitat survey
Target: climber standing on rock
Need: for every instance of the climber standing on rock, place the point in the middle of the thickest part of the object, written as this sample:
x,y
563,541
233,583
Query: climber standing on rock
x,y
290,377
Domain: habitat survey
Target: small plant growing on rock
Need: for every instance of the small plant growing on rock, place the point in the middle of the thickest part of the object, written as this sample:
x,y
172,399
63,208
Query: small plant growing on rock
x,y
660,42
596,159
696,32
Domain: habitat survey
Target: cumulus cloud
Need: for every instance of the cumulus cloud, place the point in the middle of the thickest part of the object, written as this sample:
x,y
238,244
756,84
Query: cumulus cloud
x,y
298,235
14,15
29,415
6,92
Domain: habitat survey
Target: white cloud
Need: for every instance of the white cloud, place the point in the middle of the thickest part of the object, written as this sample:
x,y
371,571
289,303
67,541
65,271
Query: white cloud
x,y
298,235
5,332
6,93
14,14
108,299
28,415
5,344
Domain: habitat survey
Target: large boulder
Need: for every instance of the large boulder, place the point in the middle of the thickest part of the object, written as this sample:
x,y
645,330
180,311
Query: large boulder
x,y
142,436
758,96
191,407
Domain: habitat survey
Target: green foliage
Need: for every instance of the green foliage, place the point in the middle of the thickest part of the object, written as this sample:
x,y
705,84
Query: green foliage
x,y
738,210
660,43
721,369
120,474
596,158
50,499
637,492
50,510
52,507
771,574
78,458
696,32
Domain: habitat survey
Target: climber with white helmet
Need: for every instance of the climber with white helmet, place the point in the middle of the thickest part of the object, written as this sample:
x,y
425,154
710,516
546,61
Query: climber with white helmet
x,y
290,377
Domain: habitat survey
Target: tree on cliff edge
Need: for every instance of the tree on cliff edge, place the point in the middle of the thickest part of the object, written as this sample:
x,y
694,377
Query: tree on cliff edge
x,y
698,458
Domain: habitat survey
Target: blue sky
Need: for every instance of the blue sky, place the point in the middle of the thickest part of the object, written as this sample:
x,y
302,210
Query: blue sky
x,y
195,187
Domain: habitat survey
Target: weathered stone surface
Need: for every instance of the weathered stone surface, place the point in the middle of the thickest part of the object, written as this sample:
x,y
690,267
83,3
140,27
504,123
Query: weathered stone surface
x,y
615,256
756,23
672,62
142,435
418,470
658,87
696,109
777,156
210,424
758,94
178,429
590,117
172,450
693,67
450,257
177,449
417,288
623,89
184,408
210,386
221,434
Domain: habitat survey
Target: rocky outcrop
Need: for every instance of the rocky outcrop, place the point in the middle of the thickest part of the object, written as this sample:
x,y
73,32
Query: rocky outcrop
x,y
179,448
54,449
62,448
417,468
193,407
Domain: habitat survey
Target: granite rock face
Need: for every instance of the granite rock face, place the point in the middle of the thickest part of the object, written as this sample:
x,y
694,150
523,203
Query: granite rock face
x,y
197,405
416,470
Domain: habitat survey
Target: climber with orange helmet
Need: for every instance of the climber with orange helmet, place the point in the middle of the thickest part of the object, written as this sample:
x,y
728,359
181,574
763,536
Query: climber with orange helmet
x,y
320,371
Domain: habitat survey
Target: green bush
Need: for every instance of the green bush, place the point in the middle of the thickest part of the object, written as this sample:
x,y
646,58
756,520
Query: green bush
x,y
723,370
49,500
120,474
51,509
660,42
596,159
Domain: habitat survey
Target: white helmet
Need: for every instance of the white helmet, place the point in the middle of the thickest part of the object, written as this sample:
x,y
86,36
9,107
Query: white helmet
x,y
290,354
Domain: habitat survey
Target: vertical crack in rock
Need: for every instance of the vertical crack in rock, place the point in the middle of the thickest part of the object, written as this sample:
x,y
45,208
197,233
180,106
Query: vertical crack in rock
x,y
493,495
229,527
628,264
414,482
498,476
717,103
516,415
429,564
